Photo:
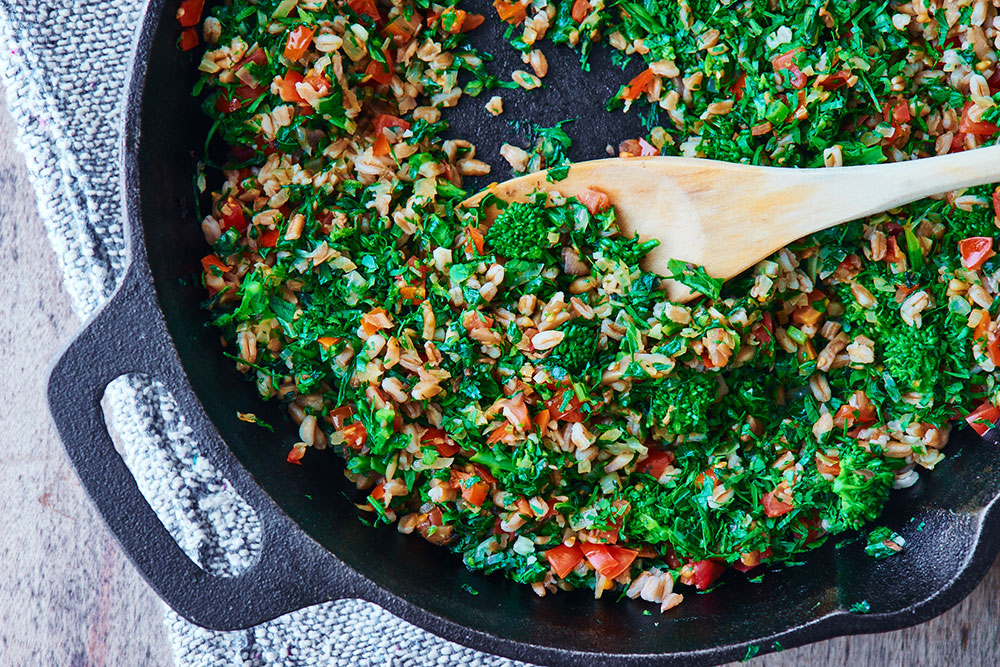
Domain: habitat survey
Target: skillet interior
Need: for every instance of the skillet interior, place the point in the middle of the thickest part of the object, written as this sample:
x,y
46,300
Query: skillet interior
x,y
944,504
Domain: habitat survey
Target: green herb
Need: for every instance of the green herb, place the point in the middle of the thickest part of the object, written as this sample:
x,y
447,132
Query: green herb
x,y
883,542
695,278
862,607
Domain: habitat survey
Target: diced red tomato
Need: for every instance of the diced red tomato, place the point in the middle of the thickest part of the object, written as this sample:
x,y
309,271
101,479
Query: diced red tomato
x,y
581,9
232,215
993,348
571,413
957,143
385,120
542,420
563,559
484,473
705,573
510,12
595,200
338,416
848,415
298,42
189,13
656,462
979,333
834,81
209,261
670,557
440,440
287,90
258,57
739,86
978,128
188,40
773,506
365,8
226,104
901,112
355,436
786,62
499,433
476,240
379,72
975,250
472,21
269,239
611,535
994,81
637,86
764,332
296,453
996,203
810,528
381,147
982,418
402,29
609,559
699,481
451,20
473,492
248,93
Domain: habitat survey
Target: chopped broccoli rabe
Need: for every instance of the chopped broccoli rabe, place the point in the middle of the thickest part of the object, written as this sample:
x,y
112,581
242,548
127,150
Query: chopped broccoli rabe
x,y
913,357
577,348
680,404
862,485
519,232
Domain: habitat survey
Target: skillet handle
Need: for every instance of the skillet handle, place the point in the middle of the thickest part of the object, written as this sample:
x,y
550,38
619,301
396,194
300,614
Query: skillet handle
x,y
129,336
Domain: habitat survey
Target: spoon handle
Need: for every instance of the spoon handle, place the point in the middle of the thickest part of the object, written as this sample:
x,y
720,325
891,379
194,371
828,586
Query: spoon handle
x,y
849,193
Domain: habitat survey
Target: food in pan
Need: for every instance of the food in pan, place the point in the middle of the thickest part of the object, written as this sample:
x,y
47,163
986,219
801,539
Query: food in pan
x,y
504,379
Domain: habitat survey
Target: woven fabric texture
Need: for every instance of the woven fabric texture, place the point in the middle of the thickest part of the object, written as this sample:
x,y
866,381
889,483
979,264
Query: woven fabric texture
x,y
63,66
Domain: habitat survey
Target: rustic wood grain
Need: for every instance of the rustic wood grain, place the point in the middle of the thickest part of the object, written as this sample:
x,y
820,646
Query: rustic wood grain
x,y
67,594
69,597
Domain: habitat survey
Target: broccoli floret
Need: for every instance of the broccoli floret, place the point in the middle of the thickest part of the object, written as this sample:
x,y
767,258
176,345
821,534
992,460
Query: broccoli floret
x,y
576,350
680,403
519,232
913,356
862,486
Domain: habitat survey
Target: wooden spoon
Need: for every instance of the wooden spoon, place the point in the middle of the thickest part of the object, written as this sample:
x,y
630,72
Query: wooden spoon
x,y
727,217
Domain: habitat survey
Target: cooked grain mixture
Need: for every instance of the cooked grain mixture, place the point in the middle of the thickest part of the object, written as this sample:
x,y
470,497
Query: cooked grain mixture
x,y
514,386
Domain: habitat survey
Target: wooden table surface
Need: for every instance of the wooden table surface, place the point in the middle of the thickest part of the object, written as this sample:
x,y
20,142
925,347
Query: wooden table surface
x,y
69,597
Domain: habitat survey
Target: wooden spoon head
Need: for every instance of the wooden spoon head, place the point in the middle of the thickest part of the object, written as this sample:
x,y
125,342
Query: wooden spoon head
x,y
725,217
646,204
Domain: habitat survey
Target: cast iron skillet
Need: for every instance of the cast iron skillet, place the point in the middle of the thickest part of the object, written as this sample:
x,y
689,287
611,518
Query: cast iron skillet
x,y
314,547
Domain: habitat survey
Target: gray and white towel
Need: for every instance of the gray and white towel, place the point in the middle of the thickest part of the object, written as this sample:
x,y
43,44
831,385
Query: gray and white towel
x,y
64,67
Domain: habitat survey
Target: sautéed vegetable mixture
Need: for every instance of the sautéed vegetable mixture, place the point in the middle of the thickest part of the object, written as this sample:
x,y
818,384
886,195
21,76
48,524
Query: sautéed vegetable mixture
x,y
505,380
